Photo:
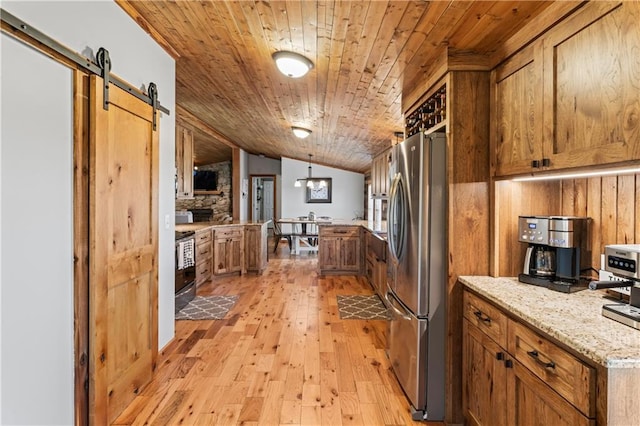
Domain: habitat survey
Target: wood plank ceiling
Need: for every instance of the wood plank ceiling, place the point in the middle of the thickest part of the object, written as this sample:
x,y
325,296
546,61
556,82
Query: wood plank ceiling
x,y
365,55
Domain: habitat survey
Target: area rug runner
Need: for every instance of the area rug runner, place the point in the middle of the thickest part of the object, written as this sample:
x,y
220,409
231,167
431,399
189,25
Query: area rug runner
x,y
207,308
364,307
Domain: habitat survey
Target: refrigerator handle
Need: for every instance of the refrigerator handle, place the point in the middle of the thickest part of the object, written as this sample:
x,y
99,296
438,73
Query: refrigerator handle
x,y
393,304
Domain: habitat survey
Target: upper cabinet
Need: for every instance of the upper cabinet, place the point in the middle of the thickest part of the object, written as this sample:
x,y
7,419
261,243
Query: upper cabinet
x,y
380,175
572,98
517,108
184,163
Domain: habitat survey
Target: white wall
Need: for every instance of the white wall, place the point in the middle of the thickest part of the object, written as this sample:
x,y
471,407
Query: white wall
x,y
37,271
245,202
138,60
268,166
347,196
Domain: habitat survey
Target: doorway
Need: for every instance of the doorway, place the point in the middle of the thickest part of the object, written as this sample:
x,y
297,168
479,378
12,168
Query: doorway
x,y
263,197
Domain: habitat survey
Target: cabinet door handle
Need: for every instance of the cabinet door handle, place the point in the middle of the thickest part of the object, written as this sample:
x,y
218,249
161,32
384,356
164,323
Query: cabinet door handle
x,y
508,363
535,164
480,316
536,357
546,162
500,356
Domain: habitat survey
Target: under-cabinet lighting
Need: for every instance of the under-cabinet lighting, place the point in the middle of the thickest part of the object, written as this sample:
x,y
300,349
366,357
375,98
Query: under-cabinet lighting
x,y
573,175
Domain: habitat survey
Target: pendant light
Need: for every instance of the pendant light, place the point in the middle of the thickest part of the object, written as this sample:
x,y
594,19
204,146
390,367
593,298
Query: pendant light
x,y
309,179
292,64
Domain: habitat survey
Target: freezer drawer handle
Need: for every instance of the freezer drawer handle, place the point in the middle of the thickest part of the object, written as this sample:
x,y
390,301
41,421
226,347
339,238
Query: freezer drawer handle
x,y
396,310
480,317
535,356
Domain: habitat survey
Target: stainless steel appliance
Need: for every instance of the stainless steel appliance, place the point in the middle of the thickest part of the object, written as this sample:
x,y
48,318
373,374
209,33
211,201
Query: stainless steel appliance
x,y
416,236
185,277
622,260
557,251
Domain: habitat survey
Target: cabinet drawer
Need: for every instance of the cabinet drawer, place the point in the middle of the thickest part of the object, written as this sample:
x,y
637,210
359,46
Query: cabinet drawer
x,y
228,233
203,237
204,252
486,317
203,271
339,231
563,372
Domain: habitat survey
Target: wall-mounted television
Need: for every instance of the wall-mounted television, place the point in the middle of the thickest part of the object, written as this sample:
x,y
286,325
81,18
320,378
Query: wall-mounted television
x,y
205,180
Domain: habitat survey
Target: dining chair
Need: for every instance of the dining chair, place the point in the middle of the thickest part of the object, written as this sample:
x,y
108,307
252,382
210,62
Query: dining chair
x,y
278,235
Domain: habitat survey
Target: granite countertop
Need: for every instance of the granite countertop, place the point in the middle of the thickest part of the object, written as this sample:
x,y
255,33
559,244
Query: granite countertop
x,y
574,319
377,227
198,226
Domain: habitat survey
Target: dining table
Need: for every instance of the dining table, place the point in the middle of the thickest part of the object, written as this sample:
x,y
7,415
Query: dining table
x,y
303,232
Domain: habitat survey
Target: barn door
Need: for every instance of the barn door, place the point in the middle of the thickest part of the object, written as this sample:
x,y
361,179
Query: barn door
x,y
123,224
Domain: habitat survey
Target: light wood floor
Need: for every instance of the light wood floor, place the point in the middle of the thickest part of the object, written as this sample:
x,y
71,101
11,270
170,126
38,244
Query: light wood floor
x,y
281,356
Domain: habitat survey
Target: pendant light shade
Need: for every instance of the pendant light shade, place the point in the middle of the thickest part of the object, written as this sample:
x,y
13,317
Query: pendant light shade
x,y
292,64
300,132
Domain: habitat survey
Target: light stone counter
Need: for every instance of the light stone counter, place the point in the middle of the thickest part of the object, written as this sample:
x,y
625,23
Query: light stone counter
x,y
377,227
573,319
198,226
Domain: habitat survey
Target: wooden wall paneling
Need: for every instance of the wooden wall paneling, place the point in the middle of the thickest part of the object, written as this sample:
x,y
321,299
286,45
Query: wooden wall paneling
x,y
637,209
608,217
594,211
515,199
626,210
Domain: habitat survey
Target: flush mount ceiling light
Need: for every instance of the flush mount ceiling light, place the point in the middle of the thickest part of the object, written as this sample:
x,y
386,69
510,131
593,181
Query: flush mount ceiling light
x,y
292,64
301,132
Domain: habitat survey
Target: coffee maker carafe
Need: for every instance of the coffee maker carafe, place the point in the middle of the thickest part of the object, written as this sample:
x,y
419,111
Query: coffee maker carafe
x,y
556,252
542,261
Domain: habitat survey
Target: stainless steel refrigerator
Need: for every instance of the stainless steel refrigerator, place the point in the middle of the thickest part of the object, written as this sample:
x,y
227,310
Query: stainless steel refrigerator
x,y
416,276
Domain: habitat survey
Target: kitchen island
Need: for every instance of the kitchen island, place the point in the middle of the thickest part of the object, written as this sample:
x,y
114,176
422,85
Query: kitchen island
x,y
553,347
228,247
340,245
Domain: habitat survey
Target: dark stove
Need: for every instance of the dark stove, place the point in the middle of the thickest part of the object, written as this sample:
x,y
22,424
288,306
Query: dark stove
x,y
183,234
185,277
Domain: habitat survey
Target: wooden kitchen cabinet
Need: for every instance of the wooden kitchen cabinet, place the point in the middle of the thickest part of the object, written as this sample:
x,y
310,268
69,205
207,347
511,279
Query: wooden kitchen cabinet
x,y
228,250
571,98
517,108
339,249
485,388
380,175
255,247
375,262
184,162
533,382
591,87
204,255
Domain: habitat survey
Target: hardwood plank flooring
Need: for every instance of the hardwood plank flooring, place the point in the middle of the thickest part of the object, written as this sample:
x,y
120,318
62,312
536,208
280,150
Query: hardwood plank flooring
x,y
282,356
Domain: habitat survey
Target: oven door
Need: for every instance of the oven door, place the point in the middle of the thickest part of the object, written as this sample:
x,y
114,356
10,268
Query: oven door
x,y
185,275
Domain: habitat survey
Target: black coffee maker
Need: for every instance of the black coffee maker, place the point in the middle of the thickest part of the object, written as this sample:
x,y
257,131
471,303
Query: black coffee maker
x,y
556,253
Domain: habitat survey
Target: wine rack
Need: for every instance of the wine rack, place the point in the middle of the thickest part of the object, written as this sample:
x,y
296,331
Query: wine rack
x,y
432,112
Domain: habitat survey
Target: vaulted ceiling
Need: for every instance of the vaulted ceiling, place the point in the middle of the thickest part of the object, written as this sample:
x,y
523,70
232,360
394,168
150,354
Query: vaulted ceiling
x,y
366,54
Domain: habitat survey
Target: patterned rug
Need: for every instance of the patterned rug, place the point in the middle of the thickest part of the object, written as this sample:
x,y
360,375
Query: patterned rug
x,y
207,308
365,307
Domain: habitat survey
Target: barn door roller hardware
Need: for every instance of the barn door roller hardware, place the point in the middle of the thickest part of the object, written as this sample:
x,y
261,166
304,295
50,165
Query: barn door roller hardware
x,y
104,62
20,30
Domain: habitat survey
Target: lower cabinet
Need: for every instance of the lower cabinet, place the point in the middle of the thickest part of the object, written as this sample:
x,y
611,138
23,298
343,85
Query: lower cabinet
x,y
204,255
514,376
255,243
339,249
228,250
